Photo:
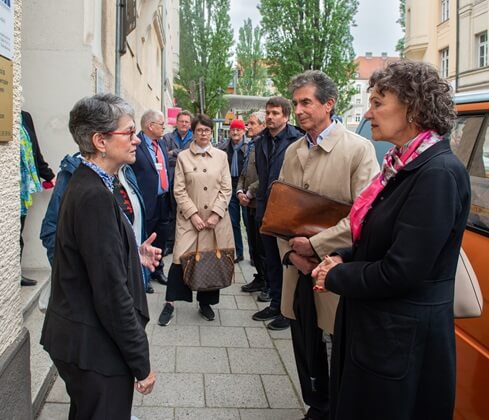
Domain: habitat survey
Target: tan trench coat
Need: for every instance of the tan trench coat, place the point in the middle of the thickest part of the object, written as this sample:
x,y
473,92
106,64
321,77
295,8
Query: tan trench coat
x,y
339,168
202,184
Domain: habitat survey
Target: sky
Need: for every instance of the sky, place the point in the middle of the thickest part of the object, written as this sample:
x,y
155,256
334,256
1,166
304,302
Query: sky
x,y
372,33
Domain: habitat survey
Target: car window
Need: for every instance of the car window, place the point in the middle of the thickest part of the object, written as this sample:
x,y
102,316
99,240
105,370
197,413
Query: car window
x,y
479,180
381,147
464,134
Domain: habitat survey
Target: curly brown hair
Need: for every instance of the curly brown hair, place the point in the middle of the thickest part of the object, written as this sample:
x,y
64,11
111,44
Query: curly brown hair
x,y
419,86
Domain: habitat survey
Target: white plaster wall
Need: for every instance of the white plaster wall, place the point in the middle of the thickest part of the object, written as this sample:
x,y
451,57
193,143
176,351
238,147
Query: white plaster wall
x,y
10,306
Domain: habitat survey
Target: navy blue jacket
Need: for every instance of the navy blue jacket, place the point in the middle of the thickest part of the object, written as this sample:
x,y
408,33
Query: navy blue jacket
x,y
147,175
268,167
226,146
174,146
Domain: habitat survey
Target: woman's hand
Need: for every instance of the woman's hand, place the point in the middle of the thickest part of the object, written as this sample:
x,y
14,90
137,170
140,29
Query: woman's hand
x,y
146,385
149,255
321,271
212,221
198,223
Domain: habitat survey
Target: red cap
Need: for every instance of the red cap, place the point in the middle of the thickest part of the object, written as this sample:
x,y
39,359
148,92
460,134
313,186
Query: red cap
x,y
237,124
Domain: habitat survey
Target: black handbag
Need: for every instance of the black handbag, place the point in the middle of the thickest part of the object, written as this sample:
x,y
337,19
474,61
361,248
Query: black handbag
x,y
208,269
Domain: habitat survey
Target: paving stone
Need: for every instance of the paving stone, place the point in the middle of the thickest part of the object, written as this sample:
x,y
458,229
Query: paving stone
x,y
280,335
177,390
238,318
238,391
189,315
271,414
239,278
173,335
286,352
153,413
259,337
156,301
259,361
226,302
202,360
234,289
58,392
206,414
223,337
54,411
280,392
246,302
162,358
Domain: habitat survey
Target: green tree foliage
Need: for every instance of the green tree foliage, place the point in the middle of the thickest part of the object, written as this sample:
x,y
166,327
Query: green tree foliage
x,y
311,35
206,39
251,61
402,21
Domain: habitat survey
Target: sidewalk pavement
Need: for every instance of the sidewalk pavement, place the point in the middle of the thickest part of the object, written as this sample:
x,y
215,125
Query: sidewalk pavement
x,y
232,368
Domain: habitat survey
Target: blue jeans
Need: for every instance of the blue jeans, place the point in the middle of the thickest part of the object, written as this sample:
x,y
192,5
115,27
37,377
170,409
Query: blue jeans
x,y
235,212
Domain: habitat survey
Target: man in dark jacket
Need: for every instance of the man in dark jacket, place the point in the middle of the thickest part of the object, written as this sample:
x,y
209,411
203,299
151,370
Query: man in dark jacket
x,y
269,154
235,147
176,141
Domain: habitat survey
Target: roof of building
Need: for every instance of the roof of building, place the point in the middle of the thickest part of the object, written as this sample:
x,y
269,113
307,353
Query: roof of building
x,y
368,64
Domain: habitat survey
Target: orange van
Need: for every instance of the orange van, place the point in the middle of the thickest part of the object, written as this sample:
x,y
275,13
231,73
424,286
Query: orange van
x,y
469,140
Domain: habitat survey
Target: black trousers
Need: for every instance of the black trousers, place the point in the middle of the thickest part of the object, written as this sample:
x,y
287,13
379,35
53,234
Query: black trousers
x,y
160,223
94,396
311,357
177,290
257,252
274,269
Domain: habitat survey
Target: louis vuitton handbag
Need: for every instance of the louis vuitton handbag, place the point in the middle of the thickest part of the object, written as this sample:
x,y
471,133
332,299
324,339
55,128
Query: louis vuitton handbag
x,y
467,301
293,211
205,270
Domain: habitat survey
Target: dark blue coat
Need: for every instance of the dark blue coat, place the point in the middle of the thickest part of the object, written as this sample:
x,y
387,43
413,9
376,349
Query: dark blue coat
x,y
394,346
147,175
268,168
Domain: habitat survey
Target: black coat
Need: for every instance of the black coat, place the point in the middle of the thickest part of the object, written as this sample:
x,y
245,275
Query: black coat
x,y
394,346
268,166
98,310
226,146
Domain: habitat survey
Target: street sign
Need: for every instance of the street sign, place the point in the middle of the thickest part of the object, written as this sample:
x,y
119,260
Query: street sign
x,y
6,99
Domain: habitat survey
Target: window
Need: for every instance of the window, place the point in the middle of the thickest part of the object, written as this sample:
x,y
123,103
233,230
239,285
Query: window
x,y
444,63
445,5
358,88
358,118
482,49
358,101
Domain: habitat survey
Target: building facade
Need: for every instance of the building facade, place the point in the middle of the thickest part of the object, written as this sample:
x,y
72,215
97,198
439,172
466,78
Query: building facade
x,y
453,36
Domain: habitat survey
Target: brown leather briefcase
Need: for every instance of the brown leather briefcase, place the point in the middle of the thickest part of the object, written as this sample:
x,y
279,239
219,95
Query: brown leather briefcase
x,y
293,211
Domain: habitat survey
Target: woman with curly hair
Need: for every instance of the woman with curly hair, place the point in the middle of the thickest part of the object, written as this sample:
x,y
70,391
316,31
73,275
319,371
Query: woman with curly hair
x,y
394,347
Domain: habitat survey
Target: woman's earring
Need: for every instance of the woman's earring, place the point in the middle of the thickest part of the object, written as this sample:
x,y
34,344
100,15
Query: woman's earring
x,y
410,120
103,155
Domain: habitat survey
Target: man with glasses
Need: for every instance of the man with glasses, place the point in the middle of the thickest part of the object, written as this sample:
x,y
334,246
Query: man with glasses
x,y
152,174
235,147
176,141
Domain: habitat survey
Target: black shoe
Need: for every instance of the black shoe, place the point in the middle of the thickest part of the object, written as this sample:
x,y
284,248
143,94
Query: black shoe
x,y
266,314
168,250
166,315
149,289
160,278
255,285
278,324
24,281
238,259
207,312
264,296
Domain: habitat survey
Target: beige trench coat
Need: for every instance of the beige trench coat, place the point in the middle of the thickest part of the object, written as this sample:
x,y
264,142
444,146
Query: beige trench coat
x,y
339,168
202,184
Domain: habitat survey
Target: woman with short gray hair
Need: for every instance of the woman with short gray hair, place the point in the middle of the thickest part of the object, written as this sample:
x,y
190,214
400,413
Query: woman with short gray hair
x,y
94,325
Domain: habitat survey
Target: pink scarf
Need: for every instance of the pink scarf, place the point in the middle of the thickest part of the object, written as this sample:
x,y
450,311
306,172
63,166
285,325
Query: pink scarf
x,y
394,160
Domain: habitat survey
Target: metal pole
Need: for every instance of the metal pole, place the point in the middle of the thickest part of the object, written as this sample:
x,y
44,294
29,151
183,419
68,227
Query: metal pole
x,y
457,47
118,28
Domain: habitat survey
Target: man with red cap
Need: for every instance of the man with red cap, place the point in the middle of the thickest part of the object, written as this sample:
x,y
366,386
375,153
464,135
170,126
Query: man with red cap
x,y
235,146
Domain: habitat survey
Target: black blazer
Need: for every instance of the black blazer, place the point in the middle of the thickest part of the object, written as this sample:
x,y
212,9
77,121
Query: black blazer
x,y
226,146
148,177
98,310
394,347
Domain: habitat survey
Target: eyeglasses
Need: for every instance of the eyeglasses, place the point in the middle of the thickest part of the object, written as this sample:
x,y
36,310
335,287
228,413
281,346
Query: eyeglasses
x,y
203,131
130,133
162,123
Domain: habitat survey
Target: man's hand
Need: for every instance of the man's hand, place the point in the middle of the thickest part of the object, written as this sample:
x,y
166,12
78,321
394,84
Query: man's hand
x,y
198,223
304,264
243,199
149,255
146,385
302,246
212,221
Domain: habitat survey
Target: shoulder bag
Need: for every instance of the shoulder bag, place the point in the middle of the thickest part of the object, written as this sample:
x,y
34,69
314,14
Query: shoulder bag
x,y
467,301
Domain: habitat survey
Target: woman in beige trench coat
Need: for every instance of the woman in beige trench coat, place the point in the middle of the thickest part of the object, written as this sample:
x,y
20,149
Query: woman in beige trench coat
x,y
202,190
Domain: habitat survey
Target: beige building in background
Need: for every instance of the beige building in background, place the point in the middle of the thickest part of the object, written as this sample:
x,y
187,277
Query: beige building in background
x,y
454,41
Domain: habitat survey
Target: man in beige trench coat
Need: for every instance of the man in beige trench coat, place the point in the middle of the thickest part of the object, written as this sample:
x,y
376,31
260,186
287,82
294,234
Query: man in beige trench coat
x,y
336,163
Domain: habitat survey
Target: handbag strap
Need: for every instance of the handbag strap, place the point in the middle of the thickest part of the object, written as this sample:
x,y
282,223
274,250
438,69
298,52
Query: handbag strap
x,y
216,249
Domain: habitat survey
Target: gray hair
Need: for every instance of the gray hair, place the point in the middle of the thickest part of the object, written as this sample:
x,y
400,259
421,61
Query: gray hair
x,y
149,116
260,116
96,114
325,87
